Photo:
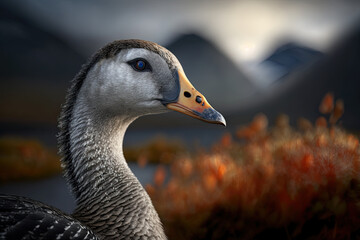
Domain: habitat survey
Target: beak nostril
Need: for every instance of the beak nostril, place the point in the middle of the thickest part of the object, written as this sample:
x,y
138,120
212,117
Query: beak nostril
x,y
198,99
187,94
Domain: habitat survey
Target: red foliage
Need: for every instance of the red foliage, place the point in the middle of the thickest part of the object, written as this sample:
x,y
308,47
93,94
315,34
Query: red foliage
x,y
257,126
159,176
280,183
327,104
338,111
26,159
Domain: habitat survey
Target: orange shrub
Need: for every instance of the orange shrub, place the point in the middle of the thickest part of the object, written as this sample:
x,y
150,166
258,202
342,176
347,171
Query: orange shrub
x,y
327,104
26,159
280,183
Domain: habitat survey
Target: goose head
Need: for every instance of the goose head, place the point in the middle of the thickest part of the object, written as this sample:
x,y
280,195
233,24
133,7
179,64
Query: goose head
x,y
121,82
143,78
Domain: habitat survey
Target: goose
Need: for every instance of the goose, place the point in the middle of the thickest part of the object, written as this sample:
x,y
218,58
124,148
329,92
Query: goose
x,y
124,80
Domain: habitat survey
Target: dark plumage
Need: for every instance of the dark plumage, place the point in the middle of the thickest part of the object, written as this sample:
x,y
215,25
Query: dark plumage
x,y
23,218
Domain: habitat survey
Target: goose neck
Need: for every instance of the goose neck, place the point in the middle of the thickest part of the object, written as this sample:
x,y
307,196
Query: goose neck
x,y
110,198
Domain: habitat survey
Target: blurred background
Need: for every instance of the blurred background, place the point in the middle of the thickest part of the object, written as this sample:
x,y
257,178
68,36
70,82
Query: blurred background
x,y
246,57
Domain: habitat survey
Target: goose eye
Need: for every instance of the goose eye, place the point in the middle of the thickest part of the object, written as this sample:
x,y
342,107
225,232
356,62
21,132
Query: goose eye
x,y
140,65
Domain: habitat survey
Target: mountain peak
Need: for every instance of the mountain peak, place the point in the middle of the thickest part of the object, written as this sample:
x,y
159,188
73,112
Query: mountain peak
x,y
292,55
208,67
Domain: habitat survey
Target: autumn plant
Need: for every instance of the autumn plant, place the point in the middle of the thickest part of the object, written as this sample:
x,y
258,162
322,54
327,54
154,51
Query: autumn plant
x,y
266,183
24,159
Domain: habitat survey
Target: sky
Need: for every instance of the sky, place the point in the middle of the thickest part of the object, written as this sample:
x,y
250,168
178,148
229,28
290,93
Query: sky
x,y
247,30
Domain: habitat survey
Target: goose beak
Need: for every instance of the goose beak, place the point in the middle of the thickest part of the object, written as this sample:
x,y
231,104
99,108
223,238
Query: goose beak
x,y
193,103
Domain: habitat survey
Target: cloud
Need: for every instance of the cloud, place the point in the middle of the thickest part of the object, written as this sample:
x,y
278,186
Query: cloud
x,y
246,30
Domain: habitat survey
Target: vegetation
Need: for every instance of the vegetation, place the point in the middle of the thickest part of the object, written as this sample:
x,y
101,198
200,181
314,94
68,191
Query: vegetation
x,y
256,183
261,183
158,150
26,159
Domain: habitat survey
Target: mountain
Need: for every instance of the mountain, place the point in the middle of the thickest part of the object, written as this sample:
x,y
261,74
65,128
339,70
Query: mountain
x,y
300,94
36,69
211,72
28,51
291,56
285,60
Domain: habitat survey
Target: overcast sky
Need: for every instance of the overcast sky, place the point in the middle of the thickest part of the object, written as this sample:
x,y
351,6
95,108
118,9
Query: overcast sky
x,y
246,30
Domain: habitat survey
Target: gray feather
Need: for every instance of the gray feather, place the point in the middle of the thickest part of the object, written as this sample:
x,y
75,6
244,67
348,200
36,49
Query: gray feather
x,y
111,203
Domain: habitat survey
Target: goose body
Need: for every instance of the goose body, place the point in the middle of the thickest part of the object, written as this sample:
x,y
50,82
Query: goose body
x,y
121,82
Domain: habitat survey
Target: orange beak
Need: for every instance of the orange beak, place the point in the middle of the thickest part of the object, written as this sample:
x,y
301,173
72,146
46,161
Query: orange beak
x,y
193,103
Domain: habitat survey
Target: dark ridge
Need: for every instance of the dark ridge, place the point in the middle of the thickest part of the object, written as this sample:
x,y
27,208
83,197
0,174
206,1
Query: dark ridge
x,y
210,70
36,66
300,94
292,56
30,52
